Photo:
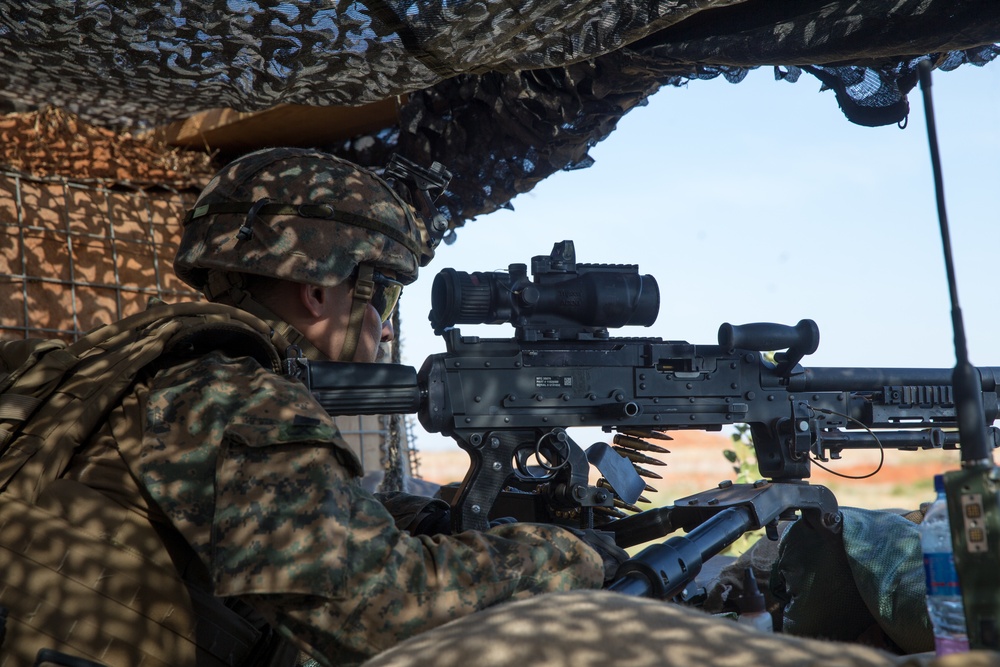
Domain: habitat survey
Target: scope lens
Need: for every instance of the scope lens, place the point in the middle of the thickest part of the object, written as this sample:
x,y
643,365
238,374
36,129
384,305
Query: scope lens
x,y
458,297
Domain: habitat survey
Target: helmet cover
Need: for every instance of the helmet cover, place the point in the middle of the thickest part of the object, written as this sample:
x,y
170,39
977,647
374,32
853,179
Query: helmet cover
x,y
300,215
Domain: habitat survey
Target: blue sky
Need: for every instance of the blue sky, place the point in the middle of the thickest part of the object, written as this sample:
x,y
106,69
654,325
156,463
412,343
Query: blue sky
x,y
761,202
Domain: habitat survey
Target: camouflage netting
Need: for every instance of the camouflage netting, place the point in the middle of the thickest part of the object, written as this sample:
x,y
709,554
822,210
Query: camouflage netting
x,y
502,93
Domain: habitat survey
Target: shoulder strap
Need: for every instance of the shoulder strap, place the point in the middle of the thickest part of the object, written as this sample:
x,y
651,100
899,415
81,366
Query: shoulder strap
x,y
57,398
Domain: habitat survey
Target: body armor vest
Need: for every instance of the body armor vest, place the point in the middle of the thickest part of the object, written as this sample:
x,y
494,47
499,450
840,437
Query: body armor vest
x,y
81,574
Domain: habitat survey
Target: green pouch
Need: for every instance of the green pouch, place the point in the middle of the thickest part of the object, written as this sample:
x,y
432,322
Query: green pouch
x,y
866,581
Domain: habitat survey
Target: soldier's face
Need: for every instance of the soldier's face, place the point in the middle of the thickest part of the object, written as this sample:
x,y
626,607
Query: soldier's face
x,y
373,332
331,330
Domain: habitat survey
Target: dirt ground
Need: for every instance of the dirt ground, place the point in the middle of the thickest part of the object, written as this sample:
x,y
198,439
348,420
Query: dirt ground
x,y
696,463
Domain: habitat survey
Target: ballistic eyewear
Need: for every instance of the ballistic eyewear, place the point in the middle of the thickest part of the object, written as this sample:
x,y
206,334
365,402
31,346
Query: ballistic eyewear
x,y
385,295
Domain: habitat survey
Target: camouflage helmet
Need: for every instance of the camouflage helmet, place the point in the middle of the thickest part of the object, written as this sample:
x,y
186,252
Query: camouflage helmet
x,y
299,215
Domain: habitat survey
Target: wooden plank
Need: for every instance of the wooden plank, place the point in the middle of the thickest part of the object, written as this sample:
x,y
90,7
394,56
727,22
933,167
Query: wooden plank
x,y
284,125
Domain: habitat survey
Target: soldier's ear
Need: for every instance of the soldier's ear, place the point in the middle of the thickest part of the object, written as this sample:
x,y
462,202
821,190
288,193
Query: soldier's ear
x,y
314,299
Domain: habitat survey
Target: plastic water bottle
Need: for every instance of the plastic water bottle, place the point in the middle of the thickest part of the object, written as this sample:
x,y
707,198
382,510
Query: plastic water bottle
x,y
944,597
752,606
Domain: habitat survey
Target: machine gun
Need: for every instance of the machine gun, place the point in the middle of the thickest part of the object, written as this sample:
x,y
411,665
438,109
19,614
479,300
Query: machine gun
x,y
509,402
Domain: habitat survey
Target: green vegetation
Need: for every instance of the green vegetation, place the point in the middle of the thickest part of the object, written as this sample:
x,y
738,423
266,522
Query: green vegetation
x,y
744,461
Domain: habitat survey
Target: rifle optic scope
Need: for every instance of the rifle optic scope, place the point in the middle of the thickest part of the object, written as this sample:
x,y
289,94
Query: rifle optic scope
x,y
565,297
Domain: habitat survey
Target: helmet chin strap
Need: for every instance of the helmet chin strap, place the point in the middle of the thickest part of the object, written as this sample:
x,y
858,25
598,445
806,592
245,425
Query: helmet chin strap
x,y
364,289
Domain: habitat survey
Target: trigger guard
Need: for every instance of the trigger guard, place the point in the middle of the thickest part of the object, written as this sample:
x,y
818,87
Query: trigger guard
x,y
521,466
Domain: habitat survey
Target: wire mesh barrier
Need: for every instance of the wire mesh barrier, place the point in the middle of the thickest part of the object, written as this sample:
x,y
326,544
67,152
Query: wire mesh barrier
x,y
75,255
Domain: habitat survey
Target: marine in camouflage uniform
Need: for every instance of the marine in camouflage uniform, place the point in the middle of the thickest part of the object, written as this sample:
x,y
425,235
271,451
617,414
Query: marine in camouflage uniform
x,y
253,474
253,477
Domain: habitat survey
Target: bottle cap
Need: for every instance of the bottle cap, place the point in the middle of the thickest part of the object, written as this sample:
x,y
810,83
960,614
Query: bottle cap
x,y
938,483
751,599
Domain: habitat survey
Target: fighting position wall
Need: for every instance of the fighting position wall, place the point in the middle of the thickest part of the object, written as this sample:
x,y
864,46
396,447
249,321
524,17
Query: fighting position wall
x,y
78,255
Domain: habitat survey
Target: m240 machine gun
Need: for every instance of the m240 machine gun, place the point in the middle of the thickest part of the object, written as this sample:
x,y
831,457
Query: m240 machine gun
x,y
509,402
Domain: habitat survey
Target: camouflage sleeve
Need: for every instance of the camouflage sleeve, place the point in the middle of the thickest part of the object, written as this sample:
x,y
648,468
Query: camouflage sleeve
x,y
252,472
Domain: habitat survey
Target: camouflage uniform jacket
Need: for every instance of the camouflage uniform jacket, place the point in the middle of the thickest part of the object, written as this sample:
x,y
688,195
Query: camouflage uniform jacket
x,y
255,477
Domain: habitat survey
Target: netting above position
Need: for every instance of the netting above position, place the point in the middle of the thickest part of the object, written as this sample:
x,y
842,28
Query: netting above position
x,y
503,93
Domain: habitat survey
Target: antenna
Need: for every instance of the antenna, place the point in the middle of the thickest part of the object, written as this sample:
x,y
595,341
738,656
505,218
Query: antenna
x,y
973,501
966,380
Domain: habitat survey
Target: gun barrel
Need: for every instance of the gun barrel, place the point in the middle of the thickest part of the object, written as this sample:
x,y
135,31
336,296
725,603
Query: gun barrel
x,y
862,379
